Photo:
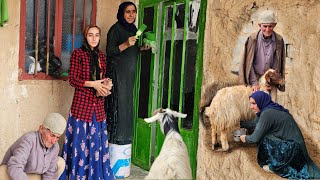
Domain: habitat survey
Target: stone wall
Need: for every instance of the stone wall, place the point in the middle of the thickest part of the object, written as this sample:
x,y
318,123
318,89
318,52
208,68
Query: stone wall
x,y
228,24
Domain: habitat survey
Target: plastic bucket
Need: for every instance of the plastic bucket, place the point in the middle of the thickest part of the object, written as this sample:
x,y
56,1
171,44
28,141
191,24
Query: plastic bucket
x,y
120,159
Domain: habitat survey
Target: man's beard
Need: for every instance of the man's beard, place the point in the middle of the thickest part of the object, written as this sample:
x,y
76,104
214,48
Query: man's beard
x,y
47,144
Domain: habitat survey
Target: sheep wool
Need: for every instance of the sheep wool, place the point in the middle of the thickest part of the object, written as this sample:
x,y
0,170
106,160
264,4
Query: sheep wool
x,y
173,161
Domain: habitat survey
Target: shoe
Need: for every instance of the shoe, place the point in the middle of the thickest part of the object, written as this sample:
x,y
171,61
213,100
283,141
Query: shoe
x,y
267,169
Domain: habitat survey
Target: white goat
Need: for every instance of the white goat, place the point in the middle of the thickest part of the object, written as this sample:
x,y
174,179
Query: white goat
x,y
173,161
231,104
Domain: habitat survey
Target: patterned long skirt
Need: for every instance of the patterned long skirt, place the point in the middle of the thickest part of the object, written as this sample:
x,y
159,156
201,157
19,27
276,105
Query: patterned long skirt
x,y
86,150
285,158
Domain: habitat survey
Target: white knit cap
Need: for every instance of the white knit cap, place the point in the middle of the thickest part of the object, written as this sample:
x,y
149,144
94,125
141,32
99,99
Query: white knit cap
x,y
55,122
267,17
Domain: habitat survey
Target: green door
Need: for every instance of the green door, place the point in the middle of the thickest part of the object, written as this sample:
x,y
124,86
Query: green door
x,y
170,78
143,93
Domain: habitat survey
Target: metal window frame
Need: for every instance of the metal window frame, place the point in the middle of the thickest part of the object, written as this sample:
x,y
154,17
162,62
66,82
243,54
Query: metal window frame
x,y
57,36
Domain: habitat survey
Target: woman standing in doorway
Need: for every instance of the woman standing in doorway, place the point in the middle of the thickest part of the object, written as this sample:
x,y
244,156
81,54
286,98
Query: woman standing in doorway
x,y
122,52
86,150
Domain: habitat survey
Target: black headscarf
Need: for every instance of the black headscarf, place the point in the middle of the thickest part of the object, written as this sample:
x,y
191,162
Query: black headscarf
x,y
120,16
263,101
95,68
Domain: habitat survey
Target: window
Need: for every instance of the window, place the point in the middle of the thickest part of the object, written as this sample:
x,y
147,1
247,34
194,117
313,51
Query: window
x,y
56,24
145,67
180,46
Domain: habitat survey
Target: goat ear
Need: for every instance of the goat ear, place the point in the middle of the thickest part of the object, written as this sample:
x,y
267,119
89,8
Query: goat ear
x,y
153,118
268,77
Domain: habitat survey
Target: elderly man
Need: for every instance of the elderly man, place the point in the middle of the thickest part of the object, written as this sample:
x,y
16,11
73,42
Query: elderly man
x,y
35,154
263,50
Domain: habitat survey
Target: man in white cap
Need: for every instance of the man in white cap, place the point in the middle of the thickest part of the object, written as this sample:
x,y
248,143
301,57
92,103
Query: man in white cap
x,y
35,154
263,50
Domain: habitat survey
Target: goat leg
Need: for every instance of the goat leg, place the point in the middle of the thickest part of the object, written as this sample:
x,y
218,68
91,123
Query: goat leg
x,y
224,140
214,138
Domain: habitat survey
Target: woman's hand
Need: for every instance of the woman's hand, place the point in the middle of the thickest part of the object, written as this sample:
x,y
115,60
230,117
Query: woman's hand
x,y
255,88
108,83
243,138
130,42
104,95
102,87
145,47
267,87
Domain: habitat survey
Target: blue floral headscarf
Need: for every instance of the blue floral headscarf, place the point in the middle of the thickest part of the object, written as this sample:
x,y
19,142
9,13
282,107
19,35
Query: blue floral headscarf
x,y
263,100
120,16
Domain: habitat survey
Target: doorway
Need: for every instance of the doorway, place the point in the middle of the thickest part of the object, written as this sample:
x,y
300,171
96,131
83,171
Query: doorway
x,y
169,78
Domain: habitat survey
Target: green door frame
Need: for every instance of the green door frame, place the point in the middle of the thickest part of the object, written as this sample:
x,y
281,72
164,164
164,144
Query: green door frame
x,y
190,136
142,155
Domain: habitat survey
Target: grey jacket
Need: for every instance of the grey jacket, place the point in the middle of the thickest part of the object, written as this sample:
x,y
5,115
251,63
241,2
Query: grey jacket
x,y
29,155
248,55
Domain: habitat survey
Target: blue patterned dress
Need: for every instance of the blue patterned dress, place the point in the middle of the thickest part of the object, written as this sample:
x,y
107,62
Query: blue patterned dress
x,y
281,146
86,150
280,142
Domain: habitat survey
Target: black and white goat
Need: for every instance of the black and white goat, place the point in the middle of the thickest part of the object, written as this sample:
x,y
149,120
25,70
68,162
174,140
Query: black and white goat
x,y
173,161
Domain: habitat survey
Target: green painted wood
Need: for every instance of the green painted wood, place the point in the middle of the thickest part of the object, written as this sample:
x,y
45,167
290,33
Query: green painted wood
x,y
183,56
197,95
146,2
171,52
141,149
161,61
140,152
159,136
188,136
142,145
135,157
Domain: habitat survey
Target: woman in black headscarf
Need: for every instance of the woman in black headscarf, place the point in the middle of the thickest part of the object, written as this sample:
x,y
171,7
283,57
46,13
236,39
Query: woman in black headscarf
x,y
281,146
122,52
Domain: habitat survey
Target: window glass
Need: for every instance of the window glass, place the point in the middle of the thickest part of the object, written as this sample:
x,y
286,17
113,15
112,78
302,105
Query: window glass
x,y
68,33
190,64
189,82
145,67
41,24
167,48
30,35
177,61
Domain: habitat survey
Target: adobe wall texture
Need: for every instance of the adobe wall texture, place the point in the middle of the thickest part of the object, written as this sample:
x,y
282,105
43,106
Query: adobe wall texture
x,y
228,23
24,104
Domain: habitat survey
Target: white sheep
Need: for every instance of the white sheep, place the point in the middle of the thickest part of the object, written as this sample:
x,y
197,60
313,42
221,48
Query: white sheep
x,y
231,104
173,161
